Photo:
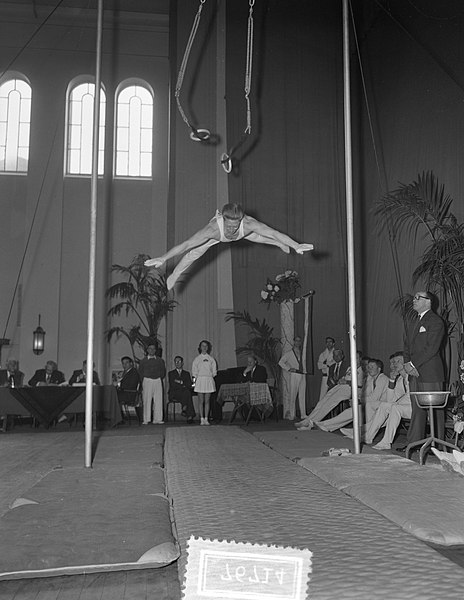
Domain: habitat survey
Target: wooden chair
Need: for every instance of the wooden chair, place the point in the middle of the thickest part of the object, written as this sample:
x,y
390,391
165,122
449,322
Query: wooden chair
x,y
130,401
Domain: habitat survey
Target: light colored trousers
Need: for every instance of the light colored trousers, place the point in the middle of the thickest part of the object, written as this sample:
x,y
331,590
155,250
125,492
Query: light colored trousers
x,y
342,419
390,415
334,396
323,391
297,387
152,391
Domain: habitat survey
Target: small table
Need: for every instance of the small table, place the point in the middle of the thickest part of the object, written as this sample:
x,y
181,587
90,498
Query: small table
x,y
252,395
46,403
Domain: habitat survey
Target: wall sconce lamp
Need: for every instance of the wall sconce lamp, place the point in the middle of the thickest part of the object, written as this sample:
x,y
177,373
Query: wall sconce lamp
x,y
38,340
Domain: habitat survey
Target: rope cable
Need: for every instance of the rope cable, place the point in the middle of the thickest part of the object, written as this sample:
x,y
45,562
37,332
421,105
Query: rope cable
x,y
30,232
197,135
18,54
226,157
382,179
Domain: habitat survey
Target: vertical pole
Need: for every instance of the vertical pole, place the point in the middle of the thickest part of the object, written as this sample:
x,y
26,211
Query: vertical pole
x,y
93,239
349,226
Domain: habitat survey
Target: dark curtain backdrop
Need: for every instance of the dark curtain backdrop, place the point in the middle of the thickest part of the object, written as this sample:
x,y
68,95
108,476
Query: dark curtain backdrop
x,y
290,172
413,57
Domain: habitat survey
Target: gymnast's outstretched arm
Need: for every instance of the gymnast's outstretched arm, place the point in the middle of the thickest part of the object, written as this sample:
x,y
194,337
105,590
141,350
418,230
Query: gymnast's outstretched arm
x,y
209,232
258,232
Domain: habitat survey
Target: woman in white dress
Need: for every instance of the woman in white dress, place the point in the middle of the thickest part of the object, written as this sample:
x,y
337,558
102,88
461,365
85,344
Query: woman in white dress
x,y
204,369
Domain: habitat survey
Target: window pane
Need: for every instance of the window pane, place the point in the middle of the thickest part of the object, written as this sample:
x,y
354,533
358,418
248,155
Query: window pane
x,y
145,140
123,139
145,165
15,111
147,116
121,163
24,135
80,129
134,131
123,115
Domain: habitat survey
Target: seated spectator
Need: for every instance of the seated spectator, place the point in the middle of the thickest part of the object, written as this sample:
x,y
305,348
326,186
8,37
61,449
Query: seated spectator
x,y
180,388
372,395
337,393
254,372
128,385
80,376
10,377
397,406
48,376
337,369
376,387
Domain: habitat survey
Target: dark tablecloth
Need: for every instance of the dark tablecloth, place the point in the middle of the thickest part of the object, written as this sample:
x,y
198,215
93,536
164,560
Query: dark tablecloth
x,y
46,403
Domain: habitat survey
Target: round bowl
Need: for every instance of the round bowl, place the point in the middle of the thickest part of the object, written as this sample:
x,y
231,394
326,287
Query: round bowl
x,y
425,399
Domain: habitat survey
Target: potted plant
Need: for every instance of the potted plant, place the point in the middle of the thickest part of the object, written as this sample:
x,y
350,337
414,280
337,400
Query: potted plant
x,y
423,205
261,342
143,295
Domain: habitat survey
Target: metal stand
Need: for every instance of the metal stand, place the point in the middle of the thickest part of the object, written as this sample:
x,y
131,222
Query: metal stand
x,y
429,400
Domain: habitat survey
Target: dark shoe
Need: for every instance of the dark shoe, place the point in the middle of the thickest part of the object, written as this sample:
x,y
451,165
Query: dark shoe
x,y
190,420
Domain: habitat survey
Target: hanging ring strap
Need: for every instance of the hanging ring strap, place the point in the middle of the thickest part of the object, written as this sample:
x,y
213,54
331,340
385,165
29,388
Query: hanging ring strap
x,y
197,135
226,158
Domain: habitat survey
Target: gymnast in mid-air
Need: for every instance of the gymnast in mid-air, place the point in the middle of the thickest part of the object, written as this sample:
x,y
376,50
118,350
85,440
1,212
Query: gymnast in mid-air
x,y
229,225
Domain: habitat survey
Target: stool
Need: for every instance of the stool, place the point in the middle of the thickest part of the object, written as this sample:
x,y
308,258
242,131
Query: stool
x,y
430,400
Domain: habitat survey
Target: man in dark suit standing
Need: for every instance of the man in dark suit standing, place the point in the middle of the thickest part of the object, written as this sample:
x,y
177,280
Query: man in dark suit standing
x,y
423,363
254,372
48,376
180,388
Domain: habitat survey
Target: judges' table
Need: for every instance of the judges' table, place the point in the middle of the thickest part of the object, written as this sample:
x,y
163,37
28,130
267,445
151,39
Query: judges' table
x,y
251,395
46,403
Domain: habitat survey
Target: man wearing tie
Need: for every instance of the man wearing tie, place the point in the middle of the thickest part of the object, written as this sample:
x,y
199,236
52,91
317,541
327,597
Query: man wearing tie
x,y
254,372
336,370
424,365
180,388
48,376
292,362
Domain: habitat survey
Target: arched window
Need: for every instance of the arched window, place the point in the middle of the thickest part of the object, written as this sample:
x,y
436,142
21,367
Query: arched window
x,y
79,130
15,124
134,131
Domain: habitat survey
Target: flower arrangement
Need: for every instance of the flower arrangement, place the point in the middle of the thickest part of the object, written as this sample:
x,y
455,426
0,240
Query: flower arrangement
x,y
284,288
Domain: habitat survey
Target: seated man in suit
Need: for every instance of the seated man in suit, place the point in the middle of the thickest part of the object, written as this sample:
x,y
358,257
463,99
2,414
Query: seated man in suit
x,y
253,371
397,406
48,376
128,385
372,397
340,391
80,376
10,377
180,388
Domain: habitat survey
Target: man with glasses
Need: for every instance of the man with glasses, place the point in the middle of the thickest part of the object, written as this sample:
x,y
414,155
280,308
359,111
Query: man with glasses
x,y
423,363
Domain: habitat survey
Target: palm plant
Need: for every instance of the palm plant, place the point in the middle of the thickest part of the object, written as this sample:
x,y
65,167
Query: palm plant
x,y
423,204
261,341
144,295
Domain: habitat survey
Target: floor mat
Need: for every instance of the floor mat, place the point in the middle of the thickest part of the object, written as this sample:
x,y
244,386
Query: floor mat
x,y
114,516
